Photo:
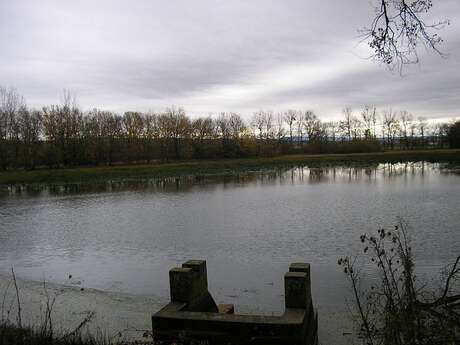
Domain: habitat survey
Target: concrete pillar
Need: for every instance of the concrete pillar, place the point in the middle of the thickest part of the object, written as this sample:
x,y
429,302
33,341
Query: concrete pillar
x,y
180,284
303,267
297,286
188,282
199,273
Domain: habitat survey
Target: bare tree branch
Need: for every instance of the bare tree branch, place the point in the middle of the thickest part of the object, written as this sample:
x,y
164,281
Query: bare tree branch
x,y
398,29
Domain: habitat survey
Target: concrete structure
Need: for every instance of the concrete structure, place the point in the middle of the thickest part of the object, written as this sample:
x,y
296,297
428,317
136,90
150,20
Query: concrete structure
x,y
192,314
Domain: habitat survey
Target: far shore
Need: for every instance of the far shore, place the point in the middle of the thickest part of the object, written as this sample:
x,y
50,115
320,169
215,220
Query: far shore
x,y
215,167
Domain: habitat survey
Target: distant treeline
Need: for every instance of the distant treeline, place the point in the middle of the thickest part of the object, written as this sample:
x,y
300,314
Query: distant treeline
x,y
64,135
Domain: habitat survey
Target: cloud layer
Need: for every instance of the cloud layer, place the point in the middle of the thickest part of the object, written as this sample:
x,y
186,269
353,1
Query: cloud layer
x,y
217,55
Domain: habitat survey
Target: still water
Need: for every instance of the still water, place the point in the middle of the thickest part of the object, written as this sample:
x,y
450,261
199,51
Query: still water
x,y
126,236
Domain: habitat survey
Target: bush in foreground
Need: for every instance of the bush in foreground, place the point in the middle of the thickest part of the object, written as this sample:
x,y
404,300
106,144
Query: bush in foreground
x,y
11,334
400,309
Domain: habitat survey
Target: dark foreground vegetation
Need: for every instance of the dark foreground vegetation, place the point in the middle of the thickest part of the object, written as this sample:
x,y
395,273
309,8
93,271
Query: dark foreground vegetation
x,y
63,135
11,334
399,308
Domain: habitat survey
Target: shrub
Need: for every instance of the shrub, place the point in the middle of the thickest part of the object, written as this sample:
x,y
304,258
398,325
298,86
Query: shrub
x,y
401,310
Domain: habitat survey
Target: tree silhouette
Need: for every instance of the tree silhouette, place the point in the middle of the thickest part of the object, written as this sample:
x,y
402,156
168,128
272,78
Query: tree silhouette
x,y
399,28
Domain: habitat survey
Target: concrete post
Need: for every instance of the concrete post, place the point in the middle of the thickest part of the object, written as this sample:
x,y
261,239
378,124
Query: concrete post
x,y
297,286
303,267
189,284
180,284
200,275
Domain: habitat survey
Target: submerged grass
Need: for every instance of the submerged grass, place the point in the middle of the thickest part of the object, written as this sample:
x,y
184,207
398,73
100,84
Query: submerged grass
x,y
215,167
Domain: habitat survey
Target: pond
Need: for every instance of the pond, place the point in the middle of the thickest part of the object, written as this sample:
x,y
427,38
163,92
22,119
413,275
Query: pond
x,y
125,236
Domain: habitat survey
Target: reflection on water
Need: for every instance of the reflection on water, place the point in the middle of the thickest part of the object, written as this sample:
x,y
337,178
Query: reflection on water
x,y
125,235
282,175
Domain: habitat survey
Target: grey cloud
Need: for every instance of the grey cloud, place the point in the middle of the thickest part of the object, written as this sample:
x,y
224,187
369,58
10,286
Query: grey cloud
x,y
151,54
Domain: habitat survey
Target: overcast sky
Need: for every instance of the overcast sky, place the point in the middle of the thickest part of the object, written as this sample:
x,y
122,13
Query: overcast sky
x,y
217,55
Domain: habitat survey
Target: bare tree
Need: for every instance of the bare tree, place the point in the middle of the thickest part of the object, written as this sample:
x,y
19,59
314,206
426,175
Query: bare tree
x,y
29,123
102,129
369,116
313,126
422,126
203,129
346,126
258,123
237,126
68,99
133,124
412,131
441,131
3,129
179,126
4,112
63,127
269,117
289,118
150,121
279,127
111,132
389,122
230,127
10,103
332,130
399,28
62,135
357,127
223,126
406,122
300,125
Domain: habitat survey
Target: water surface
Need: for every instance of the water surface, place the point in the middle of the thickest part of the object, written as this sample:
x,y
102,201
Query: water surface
x,y
125,236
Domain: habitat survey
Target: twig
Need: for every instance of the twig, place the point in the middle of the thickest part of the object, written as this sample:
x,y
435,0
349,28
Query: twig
x,y
17,297
85,321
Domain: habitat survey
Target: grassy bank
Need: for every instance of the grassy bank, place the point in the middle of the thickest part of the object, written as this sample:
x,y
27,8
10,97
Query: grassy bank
x,y
218,167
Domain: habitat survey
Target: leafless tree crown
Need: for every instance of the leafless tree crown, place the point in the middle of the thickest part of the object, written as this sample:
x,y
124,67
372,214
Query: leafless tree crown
x,y
399,29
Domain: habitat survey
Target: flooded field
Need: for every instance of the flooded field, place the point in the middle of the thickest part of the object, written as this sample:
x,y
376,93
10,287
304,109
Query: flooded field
x,y
123,237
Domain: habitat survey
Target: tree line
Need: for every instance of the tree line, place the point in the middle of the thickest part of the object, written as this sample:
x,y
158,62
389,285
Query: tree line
x,y
64,135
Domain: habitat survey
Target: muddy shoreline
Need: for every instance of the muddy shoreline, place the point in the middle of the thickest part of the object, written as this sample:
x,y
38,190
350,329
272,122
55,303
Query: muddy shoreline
x,y
121,316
